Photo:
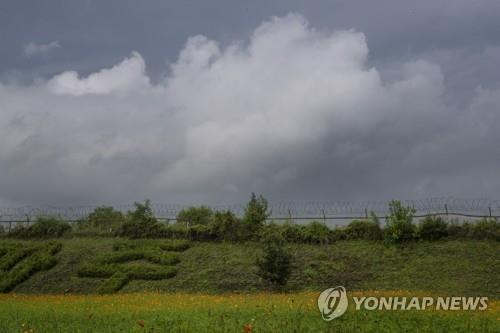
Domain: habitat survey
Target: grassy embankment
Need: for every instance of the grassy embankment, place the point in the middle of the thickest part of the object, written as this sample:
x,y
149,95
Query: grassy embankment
x,y
216,289
448,267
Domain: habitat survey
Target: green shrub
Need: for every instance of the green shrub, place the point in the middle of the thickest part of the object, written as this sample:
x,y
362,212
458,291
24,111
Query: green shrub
x,y
432,228
150,272
13,256
133,229
102,219
44,227
141,223
38,262
199,232
337,234
292,232
36,259
275,263
151,254
97,270
142,213
176,231
162,258
256,214
485,229
270,230
316,233
175,245
363,229
195,216
227,227
114,267
457,230
399,227
114,283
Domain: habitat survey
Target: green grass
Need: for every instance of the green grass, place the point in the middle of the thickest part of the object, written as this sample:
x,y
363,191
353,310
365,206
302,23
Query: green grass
x,y
447,267
229,313
216,289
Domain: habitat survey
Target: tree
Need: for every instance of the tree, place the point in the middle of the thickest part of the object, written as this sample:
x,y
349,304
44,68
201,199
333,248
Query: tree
x,y
142,213
141,222
399,224
256,214
195,215
226,226
275,263
103,218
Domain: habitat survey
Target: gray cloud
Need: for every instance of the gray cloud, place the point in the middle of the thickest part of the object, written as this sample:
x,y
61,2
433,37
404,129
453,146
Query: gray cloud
x,y
33,49
292,111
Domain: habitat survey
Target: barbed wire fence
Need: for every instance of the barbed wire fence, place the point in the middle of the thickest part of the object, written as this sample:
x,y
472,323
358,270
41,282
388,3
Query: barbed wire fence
x,y
295,211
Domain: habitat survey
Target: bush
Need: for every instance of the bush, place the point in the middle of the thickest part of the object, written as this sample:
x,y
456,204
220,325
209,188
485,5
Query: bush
x,y
114,283
292,233
195,216
364,229
176,231
337,234
256,214
199,232
275,263
177,246
316,233
485,229
151,254
141,223
150,272
96,270
114,265
227,227
36,259
44,227
399,228
103,218
457,230
432,228
270,230
13,256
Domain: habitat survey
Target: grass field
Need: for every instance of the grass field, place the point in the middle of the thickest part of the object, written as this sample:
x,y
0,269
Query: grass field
x,y
453,267
260,312
216,289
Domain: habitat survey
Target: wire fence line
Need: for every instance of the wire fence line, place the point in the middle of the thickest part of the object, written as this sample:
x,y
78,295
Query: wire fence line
x,y
333,210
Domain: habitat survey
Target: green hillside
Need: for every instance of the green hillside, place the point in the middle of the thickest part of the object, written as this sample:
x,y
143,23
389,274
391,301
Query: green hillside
x,y
444,267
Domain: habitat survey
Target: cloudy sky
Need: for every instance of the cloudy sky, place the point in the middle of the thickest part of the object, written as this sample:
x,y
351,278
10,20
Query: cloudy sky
x,y
206,101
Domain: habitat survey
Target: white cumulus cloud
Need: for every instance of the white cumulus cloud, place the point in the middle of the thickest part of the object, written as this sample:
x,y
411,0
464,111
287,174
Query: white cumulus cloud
x,y
292,112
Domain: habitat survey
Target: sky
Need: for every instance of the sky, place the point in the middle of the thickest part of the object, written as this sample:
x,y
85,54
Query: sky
x,y
194,102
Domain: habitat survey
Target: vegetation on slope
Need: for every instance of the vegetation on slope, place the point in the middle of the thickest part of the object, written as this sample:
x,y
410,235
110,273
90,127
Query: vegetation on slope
x,y
451,267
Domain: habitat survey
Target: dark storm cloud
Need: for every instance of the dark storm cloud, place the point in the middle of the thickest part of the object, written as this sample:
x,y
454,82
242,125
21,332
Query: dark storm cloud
x,y
403,106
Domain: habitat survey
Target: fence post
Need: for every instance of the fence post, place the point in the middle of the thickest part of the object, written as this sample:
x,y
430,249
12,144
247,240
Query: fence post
x,y
446,209
290,215
366,213
324,216
489,209
10,226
